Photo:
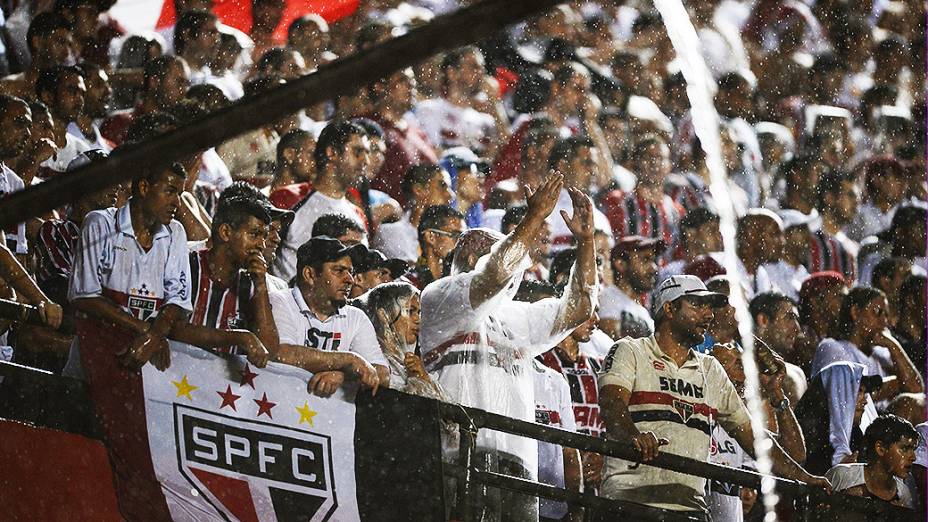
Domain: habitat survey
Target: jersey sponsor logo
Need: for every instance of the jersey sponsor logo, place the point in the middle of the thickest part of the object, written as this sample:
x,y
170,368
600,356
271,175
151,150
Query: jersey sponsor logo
x,y
235,462
329,341
682,387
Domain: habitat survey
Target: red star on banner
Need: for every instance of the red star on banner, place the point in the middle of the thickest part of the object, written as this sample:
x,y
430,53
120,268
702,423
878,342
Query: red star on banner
x,y
228,398
248,377
264,405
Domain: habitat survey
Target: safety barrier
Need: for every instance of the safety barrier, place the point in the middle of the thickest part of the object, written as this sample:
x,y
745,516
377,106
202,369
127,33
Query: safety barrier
x,y
46,401
471,420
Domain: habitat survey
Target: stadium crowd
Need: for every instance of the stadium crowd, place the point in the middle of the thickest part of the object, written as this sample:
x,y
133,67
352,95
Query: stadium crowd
x,y
523,226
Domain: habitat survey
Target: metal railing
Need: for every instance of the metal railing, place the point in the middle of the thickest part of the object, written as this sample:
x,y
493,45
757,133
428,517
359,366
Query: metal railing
x,y
471,420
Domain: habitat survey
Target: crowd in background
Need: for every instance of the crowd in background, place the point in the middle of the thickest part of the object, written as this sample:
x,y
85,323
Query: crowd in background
x,y
822,109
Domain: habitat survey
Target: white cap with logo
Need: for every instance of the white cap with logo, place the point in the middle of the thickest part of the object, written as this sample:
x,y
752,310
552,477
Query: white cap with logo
x,y
675,287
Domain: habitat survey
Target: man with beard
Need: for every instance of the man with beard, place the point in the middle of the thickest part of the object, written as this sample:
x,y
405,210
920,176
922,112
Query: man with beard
x,y
96,107
581,374
62,89
341,157
623,310
318,331
658,391
776,323
837,197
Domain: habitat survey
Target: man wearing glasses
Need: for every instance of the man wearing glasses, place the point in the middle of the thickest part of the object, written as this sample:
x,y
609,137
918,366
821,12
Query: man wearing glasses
x,y
439,230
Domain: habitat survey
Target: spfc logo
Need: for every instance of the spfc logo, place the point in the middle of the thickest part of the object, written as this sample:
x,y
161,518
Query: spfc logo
x,y
684,409
254,471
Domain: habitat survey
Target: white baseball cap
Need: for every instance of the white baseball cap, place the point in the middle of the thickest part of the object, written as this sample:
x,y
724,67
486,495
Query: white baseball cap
x,y
675,287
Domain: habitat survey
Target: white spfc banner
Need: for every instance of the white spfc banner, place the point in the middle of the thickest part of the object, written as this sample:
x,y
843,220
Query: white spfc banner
x,y
233,442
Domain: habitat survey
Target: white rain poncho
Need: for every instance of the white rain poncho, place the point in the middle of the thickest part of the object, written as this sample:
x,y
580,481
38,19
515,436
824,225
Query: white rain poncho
x,y
481,356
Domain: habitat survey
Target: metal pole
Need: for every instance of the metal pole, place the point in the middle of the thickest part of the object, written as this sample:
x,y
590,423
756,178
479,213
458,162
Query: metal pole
x,y
466,504
446,32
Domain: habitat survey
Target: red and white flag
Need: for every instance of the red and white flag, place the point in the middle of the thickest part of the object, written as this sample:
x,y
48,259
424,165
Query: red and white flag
x,y
232,442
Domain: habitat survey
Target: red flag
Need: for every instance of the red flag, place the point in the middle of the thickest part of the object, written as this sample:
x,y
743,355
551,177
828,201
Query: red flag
x,y
237,13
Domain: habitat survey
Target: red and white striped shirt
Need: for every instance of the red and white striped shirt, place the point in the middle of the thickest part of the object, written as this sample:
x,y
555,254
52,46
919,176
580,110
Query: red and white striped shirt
x,y
55,248
214,306
826,252
584,390
630,214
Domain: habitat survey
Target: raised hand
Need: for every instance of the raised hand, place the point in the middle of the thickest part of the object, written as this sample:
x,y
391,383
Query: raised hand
x,y
581,223
544,199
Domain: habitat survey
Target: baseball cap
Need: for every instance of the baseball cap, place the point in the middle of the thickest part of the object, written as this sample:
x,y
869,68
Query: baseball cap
x,y
397,267
820,282
285,216
698,217
906,216
633,243
324,249
704,267
675,287
368,260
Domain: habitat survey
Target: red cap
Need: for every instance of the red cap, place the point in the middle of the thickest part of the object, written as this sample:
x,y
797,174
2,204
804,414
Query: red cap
x,y
704,267
631,243
819,282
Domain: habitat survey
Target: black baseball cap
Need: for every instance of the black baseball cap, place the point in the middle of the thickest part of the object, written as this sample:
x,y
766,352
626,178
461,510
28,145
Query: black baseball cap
x,y
369,260
285,216
324,249
397,267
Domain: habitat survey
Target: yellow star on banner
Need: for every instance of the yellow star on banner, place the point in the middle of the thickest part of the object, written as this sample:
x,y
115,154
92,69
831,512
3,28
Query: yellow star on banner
x,y
184,388
306,414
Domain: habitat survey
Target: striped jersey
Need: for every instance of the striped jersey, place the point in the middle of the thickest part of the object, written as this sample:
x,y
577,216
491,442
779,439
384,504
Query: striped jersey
x,y
55,247
581,377
676,403
827,252
215,306
630,214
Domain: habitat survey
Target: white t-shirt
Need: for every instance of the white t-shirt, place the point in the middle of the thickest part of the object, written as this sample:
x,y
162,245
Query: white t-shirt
x,y
677,403
111,262
847,476
552,408
634,319
447,125
348,330
307,212
397,240
868,221
780,277
63,156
